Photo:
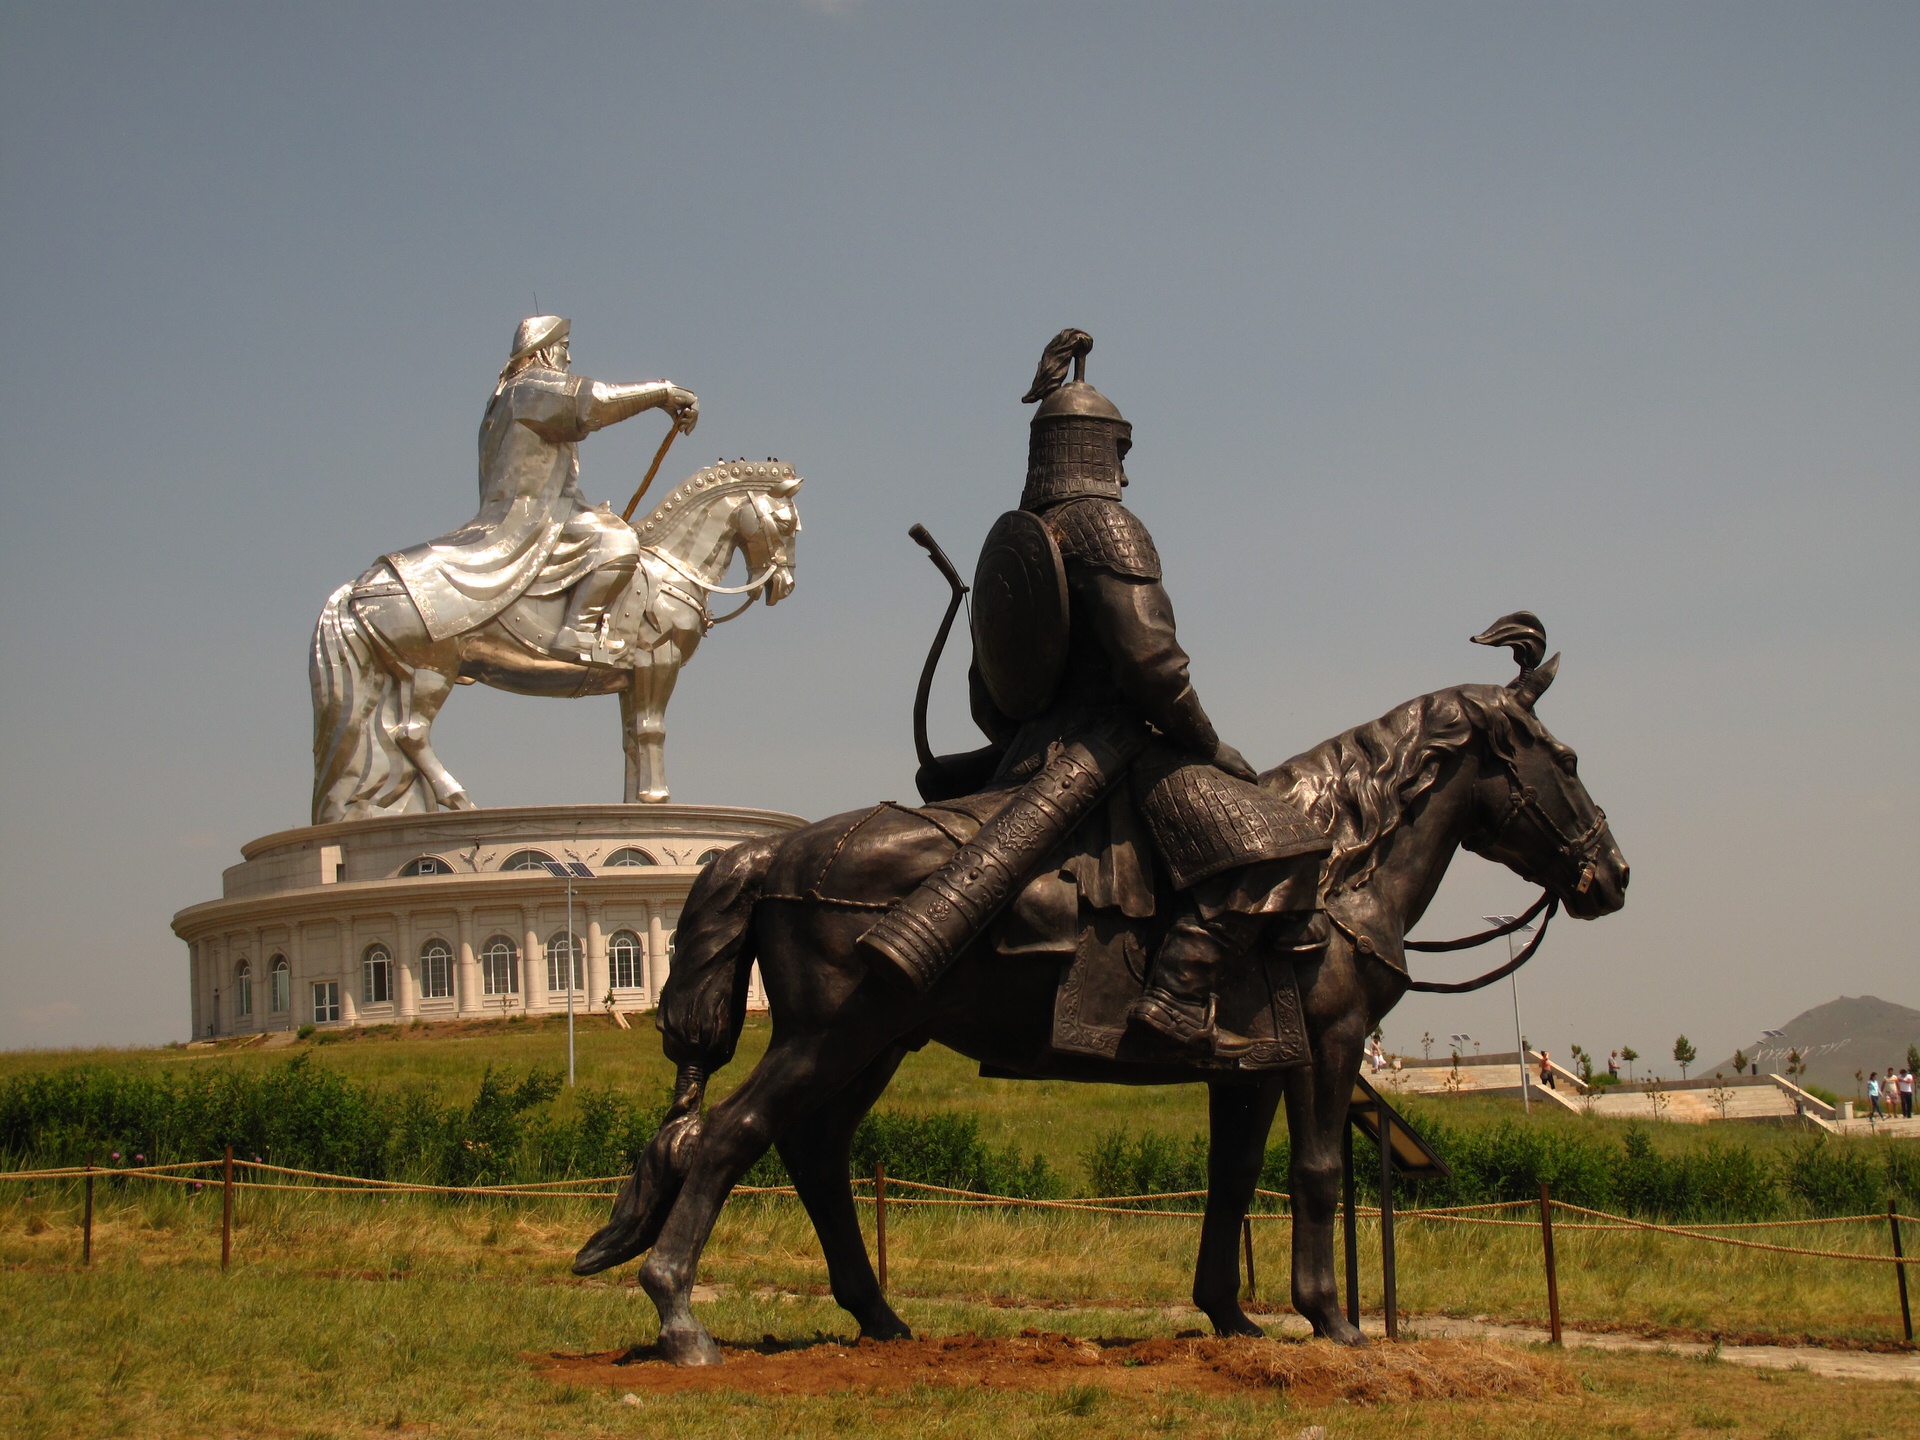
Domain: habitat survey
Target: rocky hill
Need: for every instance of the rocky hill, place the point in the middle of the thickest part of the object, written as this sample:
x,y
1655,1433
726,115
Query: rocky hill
x,y
1855,1032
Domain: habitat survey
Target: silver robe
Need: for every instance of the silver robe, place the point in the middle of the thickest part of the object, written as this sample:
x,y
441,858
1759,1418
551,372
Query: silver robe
x,y
534,534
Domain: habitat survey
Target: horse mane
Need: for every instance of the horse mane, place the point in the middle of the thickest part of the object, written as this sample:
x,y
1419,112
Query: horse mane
x,y
1359,786
704,485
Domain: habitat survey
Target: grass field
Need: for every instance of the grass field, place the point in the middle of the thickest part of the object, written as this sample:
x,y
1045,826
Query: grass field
x,y
349,1316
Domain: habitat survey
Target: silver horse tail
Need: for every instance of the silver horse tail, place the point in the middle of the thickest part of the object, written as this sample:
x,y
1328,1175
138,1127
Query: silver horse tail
x,y
356,710
703,1006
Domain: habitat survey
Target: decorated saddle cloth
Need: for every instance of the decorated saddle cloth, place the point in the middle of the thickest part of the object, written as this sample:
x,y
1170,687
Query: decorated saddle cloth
x,y
1100,905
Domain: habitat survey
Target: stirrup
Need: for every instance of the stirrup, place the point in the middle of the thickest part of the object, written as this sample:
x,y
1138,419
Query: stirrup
x,y
1189,1026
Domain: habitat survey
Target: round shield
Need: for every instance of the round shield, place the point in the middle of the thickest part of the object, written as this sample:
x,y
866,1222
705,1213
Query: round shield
x,y
1020,614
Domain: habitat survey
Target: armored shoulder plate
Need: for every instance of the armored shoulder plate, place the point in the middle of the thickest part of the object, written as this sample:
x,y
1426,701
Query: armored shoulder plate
x,y
1107,534
1020,615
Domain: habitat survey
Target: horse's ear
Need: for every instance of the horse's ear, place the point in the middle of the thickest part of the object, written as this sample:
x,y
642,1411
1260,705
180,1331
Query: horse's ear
x,y
1533,683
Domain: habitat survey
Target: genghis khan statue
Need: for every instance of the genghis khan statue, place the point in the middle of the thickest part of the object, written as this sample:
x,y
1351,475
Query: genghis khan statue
x,y
1081,684
535,534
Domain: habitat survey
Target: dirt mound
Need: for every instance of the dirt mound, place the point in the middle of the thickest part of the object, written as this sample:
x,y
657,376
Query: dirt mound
x,y
1314,1371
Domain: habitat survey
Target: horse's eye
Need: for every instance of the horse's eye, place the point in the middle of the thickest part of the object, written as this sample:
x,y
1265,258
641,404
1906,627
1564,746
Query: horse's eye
x,y
1569,762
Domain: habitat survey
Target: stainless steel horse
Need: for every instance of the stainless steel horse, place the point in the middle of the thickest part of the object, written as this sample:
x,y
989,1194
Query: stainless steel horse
x,y
379,678
1470,767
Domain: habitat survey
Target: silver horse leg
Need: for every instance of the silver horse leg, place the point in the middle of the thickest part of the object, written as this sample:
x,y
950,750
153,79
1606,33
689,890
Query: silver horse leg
x,y
425,694
643,723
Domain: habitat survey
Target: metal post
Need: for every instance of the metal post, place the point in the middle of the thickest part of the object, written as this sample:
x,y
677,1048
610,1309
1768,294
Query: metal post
x,y
571,962
880,1218
1553,1277
1906,1310
1526,1100
1352,1226
86,1223
1389,1281
226,1209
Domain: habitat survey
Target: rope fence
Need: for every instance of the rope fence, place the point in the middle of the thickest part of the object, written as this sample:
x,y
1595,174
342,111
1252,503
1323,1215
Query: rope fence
x,y
884,1193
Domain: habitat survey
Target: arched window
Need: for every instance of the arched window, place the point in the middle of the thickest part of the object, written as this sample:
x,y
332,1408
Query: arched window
x,y
627,855
436,970
528,860
279,985
427,865
561,945
376,976
500,967
627,959
243,990
708,858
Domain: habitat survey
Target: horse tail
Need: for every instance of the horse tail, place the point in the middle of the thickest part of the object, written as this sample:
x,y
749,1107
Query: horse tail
x,y
355,712
703,1006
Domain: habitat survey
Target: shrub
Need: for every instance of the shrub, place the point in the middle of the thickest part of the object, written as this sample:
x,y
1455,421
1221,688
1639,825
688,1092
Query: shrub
x,y
1835,1178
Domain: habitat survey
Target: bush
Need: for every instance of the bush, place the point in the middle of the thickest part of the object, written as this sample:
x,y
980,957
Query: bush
x,y
1835,1177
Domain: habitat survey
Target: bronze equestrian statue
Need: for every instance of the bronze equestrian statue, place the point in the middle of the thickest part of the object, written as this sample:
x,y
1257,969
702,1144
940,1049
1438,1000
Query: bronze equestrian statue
x,y
1105,892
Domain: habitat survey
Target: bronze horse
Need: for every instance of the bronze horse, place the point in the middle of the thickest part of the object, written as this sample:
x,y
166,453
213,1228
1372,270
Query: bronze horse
x,y
1471,766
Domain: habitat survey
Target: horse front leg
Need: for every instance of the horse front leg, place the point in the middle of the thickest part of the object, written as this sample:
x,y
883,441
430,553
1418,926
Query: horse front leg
x,y
643,722
1338,1019
817,1152
1239,1119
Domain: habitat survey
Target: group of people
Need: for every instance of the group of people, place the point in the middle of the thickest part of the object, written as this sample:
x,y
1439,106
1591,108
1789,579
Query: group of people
x,y
1896,1089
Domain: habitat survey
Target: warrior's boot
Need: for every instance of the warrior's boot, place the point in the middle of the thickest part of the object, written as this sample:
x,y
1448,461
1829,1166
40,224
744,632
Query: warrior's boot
x,y
580,632
1179,1002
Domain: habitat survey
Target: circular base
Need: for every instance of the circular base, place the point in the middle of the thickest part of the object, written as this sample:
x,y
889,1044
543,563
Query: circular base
x,y
393,918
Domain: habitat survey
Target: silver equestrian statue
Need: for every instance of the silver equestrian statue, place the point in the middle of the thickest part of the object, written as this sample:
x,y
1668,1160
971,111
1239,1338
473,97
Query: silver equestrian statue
x,y
540,593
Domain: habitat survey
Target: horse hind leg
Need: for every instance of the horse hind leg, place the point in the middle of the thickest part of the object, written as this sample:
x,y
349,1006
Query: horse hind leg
x,y
1239,1118
794,1077
425,692
817,1151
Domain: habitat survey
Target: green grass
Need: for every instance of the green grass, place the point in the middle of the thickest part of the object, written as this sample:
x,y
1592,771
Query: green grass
x,y
345,1316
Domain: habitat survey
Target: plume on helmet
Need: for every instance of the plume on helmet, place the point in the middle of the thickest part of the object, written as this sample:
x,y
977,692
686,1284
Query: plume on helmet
x,y
1068,345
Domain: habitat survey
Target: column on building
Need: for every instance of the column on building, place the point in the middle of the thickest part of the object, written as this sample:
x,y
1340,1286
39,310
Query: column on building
x,y
196,966
466,985
599,981
533,979
406,977
656,956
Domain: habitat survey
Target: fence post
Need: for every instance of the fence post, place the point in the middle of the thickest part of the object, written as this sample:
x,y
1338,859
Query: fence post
x,y
1389,1281
1246,1240
1906,1311
1553,1277
880,1217
226,1209
1352,1226
86,1223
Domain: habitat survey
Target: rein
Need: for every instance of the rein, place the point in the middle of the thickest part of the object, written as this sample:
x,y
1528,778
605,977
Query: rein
x,y
751,589
1546,903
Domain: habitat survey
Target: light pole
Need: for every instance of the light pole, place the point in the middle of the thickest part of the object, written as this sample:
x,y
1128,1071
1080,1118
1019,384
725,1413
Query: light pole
x,y
574,959
1519,1038
1771,1035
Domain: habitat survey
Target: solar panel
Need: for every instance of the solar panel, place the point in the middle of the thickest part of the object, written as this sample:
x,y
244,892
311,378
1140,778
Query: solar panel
x,y
582,871
554,867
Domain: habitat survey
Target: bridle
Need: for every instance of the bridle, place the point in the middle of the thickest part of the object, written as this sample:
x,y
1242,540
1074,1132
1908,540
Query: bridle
x,y
1578,851
699,600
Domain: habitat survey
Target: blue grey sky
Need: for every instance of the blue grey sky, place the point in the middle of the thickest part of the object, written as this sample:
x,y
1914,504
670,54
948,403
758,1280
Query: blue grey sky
x,y
1422,313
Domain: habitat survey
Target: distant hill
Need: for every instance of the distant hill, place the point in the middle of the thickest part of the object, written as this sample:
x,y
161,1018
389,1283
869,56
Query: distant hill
x,y
1855,1032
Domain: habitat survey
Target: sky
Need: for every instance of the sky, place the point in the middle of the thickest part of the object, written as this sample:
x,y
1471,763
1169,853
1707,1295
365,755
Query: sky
x,y
1421,314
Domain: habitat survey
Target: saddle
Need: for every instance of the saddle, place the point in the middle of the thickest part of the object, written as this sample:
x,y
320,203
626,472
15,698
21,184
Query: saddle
x,y
1102,952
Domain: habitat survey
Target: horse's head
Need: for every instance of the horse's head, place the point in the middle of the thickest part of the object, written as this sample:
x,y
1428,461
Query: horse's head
x,y
1532,813
767,522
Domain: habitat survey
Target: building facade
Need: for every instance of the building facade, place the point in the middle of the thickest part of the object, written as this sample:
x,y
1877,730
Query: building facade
x,y
453,915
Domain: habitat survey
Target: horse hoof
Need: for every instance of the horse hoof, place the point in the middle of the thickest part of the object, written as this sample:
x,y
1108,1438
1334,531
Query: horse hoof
x,y
887,1327
689,1347
1342,1333
1238,1326
459,800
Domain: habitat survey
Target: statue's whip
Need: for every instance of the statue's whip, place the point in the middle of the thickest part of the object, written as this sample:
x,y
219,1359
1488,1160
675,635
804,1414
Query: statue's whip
x,y
653,469
926,542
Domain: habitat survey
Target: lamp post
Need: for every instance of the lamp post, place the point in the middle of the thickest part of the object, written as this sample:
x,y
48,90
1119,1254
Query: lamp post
x,y
1772,1035
1519,1038
574,959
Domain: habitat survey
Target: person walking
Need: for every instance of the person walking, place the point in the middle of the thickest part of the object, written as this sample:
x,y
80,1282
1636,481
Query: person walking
x,y
1546,1071
1873,1096
1906,1093
1613,1064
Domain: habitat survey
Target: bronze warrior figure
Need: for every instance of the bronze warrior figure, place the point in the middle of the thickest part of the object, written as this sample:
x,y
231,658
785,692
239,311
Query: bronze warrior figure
x,y
1074,640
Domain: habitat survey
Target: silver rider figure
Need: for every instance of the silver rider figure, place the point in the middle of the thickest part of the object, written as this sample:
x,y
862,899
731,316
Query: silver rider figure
x,y
535,534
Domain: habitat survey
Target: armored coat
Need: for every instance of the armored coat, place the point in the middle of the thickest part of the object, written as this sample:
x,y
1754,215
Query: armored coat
x,y
534,533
